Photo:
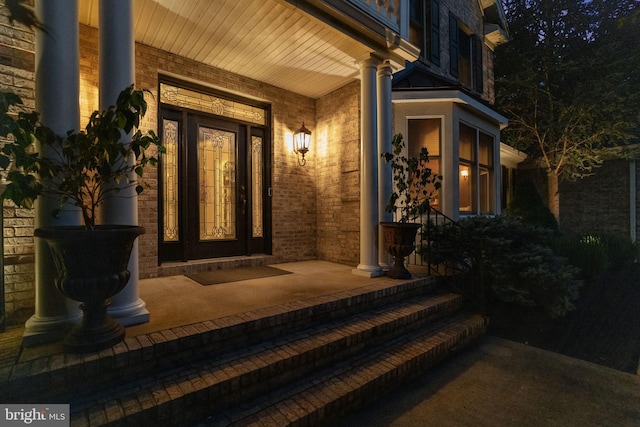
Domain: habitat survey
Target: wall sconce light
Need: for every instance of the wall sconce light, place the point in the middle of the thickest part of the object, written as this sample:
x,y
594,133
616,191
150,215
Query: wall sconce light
x,y
464,173
301,143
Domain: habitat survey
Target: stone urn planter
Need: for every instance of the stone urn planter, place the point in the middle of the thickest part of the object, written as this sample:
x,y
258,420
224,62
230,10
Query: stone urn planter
x,y
82,168
400,242
92,267
415,184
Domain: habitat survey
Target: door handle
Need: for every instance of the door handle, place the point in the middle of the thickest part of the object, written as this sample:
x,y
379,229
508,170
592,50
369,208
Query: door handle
x,y
243,200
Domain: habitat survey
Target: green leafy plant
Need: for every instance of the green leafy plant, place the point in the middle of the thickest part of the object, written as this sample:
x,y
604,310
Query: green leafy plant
x,y
596,254
415,183
516,262
527,207
83,167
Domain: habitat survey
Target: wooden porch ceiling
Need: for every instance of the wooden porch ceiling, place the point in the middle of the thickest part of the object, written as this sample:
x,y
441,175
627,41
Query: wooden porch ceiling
x,y
268,40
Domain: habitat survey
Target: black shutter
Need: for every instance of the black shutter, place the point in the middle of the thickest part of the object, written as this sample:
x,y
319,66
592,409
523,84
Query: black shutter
x,y
434,31
453,45
416,25
477,64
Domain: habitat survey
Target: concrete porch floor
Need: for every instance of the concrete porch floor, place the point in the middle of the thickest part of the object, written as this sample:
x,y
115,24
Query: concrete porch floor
x,y
177,300
497,383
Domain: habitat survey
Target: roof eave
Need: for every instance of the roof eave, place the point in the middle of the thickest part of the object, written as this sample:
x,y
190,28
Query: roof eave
x,y
412,95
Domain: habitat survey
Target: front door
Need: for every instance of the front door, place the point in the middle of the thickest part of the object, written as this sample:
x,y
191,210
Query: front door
x,y
213,201
216,188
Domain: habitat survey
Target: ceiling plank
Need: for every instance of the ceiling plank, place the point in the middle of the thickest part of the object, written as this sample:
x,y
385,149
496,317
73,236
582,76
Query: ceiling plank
x,y
270,41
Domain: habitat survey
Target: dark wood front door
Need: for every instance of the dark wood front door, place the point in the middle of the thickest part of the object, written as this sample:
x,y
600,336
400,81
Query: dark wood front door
x,y
213,198
216,188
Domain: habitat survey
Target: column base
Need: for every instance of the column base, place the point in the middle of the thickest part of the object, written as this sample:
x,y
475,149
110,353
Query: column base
x,y
41,330
368,271
130,314
385,266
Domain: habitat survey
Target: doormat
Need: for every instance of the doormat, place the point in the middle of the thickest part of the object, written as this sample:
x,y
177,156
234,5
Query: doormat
x,y
236,274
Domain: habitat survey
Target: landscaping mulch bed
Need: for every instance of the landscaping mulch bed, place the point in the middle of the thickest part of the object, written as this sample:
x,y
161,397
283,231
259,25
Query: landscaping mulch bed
x,y
604,328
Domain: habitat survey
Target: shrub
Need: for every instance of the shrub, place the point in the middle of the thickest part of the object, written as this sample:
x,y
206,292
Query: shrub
x,y
588,254
595,254
516,262
527,207
621,251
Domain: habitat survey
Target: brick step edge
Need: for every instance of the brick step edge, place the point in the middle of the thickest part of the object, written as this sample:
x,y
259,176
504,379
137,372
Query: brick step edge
x,y
253,372
136,356
343,391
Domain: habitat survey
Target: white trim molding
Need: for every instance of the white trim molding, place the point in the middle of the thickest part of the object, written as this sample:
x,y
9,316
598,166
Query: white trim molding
x,y
449,95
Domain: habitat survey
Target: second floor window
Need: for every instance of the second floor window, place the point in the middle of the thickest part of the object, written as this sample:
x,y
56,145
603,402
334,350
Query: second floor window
x,y
424,28
465,53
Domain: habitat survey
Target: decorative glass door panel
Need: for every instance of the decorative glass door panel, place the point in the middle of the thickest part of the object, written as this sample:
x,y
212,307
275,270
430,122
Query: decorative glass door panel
x,y
257,172
214,197
170,137
216,186
217,152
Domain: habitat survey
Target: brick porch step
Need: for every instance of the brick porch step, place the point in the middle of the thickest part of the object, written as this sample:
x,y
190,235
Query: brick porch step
x,y
191,393
342,389
254,360
61,375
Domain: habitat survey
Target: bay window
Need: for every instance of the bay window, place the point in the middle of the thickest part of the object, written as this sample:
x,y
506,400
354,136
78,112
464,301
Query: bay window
x,y
425,133
476,171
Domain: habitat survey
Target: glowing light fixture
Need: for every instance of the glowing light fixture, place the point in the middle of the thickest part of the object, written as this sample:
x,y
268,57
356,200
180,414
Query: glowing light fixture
x,y
464,173
301,143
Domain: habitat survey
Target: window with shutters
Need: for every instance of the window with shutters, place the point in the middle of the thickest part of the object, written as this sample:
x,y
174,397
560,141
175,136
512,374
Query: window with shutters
x,y
424,28
465,55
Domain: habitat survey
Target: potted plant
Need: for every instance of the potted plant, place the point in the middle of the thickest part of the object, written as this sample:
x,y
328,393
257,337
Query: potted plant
x,y
414,185
82,169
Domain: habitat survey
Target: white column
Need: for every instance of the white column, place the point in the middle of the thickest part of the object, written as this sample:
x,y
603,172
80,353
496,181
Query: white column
x,y
385,180
117,71
368,172
57,90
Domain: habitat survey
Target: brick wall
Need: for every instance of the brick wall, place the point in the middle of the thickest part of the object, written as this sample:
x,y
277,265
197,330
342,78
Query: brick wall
x,y
17,59
89,96
294,192
488,75
338,175
598,203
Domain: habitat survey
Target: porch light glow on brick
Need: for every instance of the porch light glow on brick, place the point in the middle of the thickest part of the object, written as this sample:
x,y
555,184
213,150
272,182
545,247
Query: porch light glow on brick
x,y
301,143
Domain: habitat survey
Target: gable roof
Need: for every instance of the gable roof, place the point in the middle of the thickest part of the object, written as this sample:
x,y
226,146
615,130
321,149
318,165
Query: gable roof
x,y
416,83
418,75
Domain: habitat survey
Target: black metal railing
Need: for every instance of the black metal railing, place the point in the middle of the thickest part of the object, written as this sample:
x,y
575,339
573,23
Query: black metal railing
x,y
451,264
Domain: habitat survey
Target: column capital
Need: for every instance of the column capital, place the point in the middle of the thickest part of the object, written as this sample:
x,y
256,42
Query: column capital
x,y
370,61
385,69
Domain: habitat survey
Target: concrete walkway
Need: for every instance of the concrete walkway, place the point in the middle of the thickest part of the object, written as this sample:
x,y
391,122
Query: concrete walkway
x,y
503,383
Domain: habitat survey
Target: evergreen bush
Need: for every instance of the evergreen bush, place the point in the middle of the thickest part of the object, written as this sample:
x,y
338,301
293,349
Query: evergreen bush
x,y
527,207
596,254
515,260
621,251
588,254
